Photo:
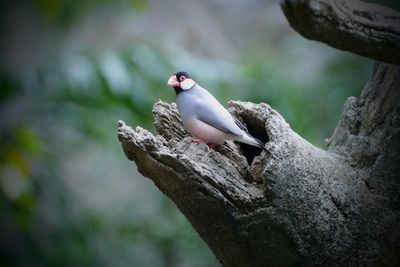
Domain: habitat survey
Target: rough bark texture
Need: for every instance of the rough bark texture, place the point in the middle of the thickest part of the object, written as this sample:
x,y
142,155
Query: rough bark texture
x,y
295,204
363,28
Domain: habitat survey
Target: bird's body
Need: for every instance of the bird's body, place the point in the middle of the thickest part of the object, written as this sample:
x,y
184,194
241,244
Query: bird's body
x,y
198,116
204,117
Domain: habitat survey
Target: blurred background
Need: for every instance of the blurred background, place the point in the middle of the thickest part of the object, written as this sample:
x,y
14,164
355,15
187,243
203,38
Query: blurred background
x,y
69,70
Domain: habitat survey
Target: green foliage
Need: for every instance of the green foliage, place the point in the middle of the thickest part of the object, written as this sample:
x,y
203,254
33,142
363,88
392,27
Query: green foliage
x,y
310,103
65,12
57,204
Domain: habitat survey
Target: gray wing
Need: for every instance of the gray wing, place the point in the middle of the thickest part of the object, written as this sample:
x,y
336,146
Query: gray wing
x,y
210,111
239,124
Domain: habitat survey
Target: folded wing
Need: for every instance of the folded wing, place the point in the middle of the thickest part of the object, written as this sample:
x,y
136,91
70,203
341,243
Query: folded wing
x,y
210,111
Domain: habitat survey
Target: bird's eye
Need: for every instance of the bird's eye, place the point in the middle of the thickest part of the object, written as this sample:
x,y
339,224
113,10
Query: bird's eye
x,y
182,78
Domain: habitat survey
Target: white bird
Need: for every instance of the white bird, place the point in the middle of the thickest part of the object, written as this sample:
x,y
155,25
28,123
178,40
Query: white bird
x,y
204,117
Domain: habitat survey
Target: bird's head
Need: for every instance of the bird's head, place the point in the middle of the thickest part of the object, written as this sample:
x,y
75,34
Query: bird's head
x,y
181,81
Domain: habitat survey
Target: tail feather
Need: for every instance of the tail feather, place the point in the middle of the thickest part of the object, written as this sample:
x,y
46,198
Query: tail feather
x,y
250,140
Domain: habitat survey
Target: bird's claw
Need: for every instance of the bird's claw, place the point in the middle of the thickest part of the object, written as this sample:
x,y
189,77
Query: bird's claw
x,y
199,140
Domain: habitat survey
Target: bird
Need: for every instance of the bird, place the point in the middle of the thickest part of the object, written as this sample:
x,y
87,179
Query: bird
x,y
204,117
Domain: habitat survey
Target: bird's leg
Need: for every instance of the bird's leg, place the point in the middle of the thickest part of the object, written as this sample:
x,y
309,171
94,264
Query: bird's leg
x,y
198,140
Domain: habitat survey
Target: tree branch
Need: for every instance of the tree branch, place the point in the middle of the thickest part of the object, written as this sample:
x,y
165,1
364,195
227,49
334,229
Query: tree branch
x,y
366,29
294,204
214,189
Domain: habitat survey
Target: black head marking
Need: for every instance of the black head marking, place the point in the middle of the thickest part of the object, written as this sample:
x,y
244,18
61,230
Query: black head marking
x,y
178,75
178,90
182,73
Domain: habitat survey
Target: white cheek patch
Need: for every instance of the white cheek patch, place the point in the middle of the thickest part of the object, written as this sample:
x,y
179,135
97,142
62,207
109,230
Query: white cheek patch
x,y
187,84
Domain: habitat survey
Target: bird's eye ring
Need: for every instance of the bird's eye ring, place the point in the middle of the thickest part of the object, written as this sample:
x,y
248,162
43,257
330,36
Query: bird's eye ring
x,y
182,78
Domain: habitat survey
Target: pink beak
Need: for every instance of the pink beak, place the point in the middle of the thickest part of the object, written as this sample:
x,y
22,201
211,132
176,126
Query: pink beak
x,y
173,81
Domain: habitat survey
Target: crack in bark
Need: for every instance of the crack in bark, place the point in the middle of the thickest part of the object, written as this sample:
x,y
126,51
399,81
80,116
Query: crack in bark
x,y
339,207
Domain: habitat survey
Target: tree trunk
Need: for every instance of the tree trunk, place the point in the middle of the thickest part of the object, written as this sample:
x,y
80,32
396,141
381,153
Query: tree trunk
x,y
291,203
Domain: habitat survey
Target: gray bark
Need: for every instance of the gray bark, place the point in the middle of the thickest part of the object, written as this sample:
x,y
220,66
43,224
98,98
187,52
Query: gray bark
x,y
366,29
295,204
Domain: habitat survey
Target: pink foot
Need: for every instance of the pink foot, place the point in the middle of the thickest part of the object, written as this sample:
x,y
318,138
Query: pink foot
x,y
198,140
